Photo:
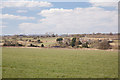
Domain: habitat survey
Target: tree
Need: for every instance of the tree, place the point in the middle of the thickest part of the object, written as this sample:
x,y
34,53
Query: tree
x,y
104,45
31,45
73,42
42,45
59,39
78,42
53,35
111,33
12,43
85,45
67,41
39,41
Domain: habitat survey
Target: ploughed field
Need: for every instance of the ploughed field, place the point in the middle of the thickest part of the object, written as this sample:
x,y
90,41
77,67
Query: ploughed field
x,y
59,63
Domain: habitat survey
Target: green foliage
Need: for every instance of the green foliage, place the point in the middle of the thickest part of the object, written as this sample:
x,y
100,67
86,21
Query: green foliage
x,y
32,45
79,42
73,42
59,39
38,41
12,44
20,45
85,45
42,45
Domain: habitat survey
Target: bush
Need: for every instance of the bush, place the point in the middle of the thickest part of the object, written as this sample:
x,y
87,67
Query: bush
x,y
85,45
104,45
73,42
11,44
39,41
42,45
4,44
79,42
59,39
32,45
94,44
20,45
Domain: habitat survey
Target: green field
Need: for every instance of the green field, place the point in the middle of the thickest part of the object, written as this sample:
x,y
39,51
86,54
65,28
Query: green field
x,y
59,63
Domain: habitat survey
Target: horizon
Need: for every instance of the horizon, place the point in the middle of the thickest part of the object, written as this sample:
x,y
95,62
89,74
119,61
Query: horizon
x,y
60,34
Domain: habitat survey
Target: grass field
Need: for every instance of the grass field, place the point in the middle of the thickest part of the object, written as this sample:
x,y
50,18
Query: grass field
x,y
59,63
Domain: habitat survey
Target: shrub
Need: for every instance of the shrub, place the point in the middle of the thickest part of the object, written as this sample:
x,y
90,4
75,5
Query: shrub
x,y
42,45
11,44
59,39
94,44
4,44
79,42
85,45
73,42
32,45
29,40
39,41
104,45
20,45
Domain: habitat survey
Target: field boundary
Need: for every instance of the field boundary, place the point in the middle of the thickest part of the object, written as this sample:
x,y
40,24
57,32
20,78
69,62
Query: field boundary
x,y
64,48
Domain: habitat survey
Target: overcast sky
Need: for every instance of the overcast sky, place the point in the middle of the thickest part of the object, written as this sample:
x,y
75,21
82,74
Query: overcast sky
x,y
38,17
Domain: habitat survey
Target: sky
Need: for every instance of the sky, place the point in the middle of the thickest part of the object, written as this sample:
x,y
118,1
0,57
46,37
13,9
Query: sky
x,y
65,17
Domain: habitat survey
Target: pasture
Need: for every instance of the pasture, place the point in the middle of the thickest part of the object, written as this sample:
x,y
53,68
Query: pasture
x,y
59,63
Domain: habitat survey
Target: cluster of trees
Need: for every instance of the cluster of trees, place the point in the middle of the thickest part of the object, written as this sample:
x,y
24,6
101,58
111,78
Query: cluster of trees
x,y
16,43
33,45
76,43
104,44
8,43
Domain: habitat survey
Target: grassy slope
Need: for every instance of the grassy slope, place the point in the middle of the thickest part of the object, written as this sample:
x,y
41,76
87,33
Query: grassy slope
x,y
50,41
46,41
52,63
